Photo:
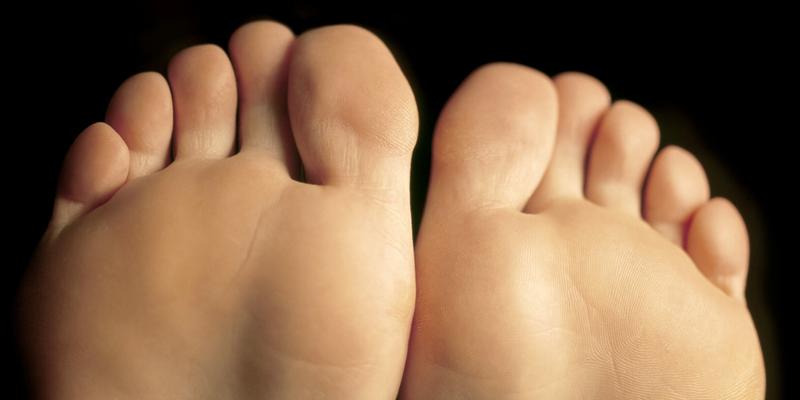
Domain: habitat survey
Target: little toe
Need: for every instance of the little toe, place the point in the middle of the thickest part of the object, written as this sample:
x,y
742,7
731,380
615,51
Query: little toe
x,y
493,140
352,110
717,242
141,112
582,101
204,97
626,140
260,54
95,167
676,187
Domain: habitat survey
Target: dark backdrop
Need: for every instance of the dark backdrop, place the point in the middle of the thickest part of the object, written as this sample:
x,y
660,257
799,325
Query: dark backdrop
x,y
715,81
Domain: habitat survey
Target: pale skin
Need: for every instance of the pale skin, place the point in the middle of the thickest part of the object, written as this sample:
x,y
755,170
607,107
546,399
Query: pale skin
x,y
559,256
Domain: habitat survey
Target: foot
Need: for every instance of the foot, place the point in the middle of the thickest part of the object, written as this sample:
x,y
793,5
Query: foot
x,y
212,271
546,268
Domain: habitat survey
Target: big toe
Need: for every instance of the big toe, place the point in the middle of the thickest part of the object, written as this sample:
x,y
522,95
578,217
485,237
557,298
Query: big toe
x,y
493,140
352,111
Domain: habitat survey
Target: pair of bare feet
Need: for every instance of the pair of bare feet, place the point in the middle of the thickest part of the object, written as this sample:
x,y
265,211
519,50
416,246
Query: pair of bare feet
x,y
187,258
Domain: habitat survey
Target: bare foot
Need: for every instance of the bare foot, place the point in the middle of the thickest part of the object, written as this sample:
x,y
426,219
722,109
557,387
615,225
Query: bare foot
x,y
543,273
213,272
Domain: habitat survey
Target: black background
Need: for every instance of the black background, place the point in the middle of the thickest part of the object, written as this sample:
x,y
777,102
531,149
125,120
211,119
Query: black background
x,y
716,81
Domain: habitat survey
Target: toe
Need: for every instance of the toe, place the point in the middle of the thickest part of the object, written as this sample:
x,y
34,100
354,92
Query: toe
x,y
493,139
260,55
352,110
204,97
676,187
582,100
141,112
96,166
717,242
626,141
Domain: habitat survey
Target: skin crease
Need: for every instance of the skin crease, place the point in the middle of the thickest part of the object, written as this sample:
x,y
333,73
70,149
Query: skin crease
x,y
219,275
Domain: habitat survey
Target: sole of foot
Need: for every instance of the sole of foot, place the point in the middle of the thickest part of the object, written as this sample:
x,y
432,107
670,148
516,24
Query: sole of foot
x,y
557,259
187,259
